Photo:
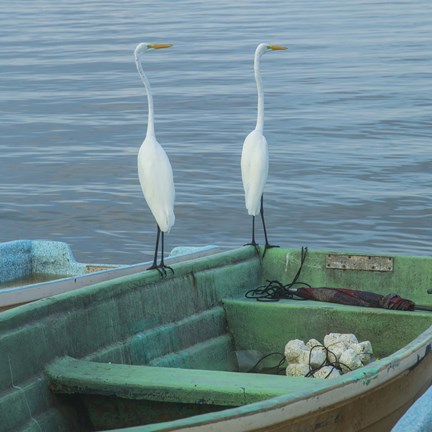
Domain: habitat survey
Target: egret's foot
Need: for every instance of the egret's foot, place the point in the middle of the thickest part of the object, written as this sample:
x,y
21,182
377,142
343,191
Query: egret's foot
x,y
156,267
269,246
255,245
152,267
163,268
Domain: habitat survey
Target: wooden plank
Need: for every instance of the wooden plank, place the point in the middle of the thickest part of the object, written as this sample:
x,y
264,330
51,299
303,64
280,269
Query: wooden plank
x,y
68,375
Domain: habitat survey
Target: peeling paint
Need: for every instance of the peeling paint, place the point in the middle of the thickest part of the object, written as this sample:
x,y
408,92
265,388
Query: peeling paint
x,y
287,259
369,380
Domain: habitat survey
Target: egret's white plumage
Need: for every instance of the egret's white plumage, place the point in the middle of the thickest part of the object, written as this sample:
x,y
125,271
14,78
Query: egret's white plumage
x,y
156,179
254,169
154,168
255,159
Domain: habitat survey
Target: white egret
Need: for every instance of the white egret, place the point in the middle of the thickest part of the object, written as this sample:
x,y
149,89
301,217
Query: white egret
x,y
154,168
254,159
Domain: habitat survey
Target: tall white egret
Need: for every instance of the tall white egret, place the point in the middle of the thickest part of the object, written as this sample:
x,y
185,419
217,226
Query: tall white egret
x,y
254,159
154,168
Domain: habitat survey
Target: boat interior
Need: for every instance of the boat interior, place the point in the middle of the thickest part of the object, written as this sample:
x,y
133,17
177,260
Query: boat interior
x,y
143,350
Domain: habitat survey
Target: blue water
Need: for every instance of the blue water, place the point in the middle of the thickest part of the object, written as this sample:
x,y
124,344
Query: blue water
x,y
348,121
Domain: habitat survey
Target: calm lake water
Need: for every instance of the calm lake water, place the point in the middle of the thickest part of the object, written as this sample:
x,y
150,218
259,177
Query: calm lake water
x,y
348,121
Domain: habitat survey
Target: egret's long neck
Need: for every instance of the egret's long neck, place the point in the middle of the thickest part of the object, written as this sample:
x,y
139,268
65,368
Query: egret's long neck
x,y
150,122
260,114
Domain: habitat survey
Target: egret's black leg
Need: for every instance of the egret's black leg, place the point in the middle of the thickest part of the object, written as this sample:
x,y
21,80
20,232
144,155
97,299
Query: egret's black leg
x,y
154,265
162,267
267,244
253,242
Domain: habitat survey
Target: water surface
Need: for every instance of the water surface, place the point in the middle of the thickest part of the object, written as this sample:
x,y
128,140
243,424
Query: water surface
x,y
348,121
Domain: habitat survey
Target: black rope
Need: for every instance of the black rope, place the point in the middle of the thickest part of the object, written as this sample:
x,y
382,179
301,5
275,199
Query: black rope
x,y
280,366
334,365
274,290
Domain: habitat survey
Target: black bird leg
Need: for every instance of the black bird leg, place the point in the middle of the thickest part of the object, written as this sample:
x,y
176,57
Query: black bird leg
x,y
267,244
154,266
162,267
253,242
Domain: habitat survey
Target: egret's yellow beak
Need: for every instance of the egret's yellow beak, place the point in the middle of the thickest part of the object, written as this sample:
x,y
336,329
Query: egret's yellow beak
x,y
277,47
159,46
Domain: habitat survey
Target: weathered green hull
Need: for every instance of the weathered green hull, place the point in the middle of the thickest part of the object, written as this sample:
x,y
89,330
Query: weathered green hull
x,y
180,333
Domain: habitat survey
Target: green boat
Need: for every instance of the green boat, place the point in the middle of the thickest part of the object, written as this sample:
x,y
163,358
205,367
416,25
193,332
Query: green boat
x,y
157,354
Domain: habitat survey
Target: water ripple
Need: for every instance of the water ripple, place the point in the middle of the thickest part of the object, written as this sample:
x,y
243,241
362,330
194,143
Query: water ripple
x,y
348,122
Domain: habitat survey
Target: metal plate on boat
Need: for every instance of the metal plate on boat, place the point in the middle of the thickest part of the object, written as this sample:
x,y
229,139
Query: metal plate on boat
x,y
96,268
359,262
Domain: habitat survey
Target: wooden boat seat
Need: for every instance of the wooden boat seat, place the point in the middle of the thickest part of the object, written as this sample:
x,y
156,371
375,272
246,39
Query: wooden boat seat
x,y
268,326
298,303
163,384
